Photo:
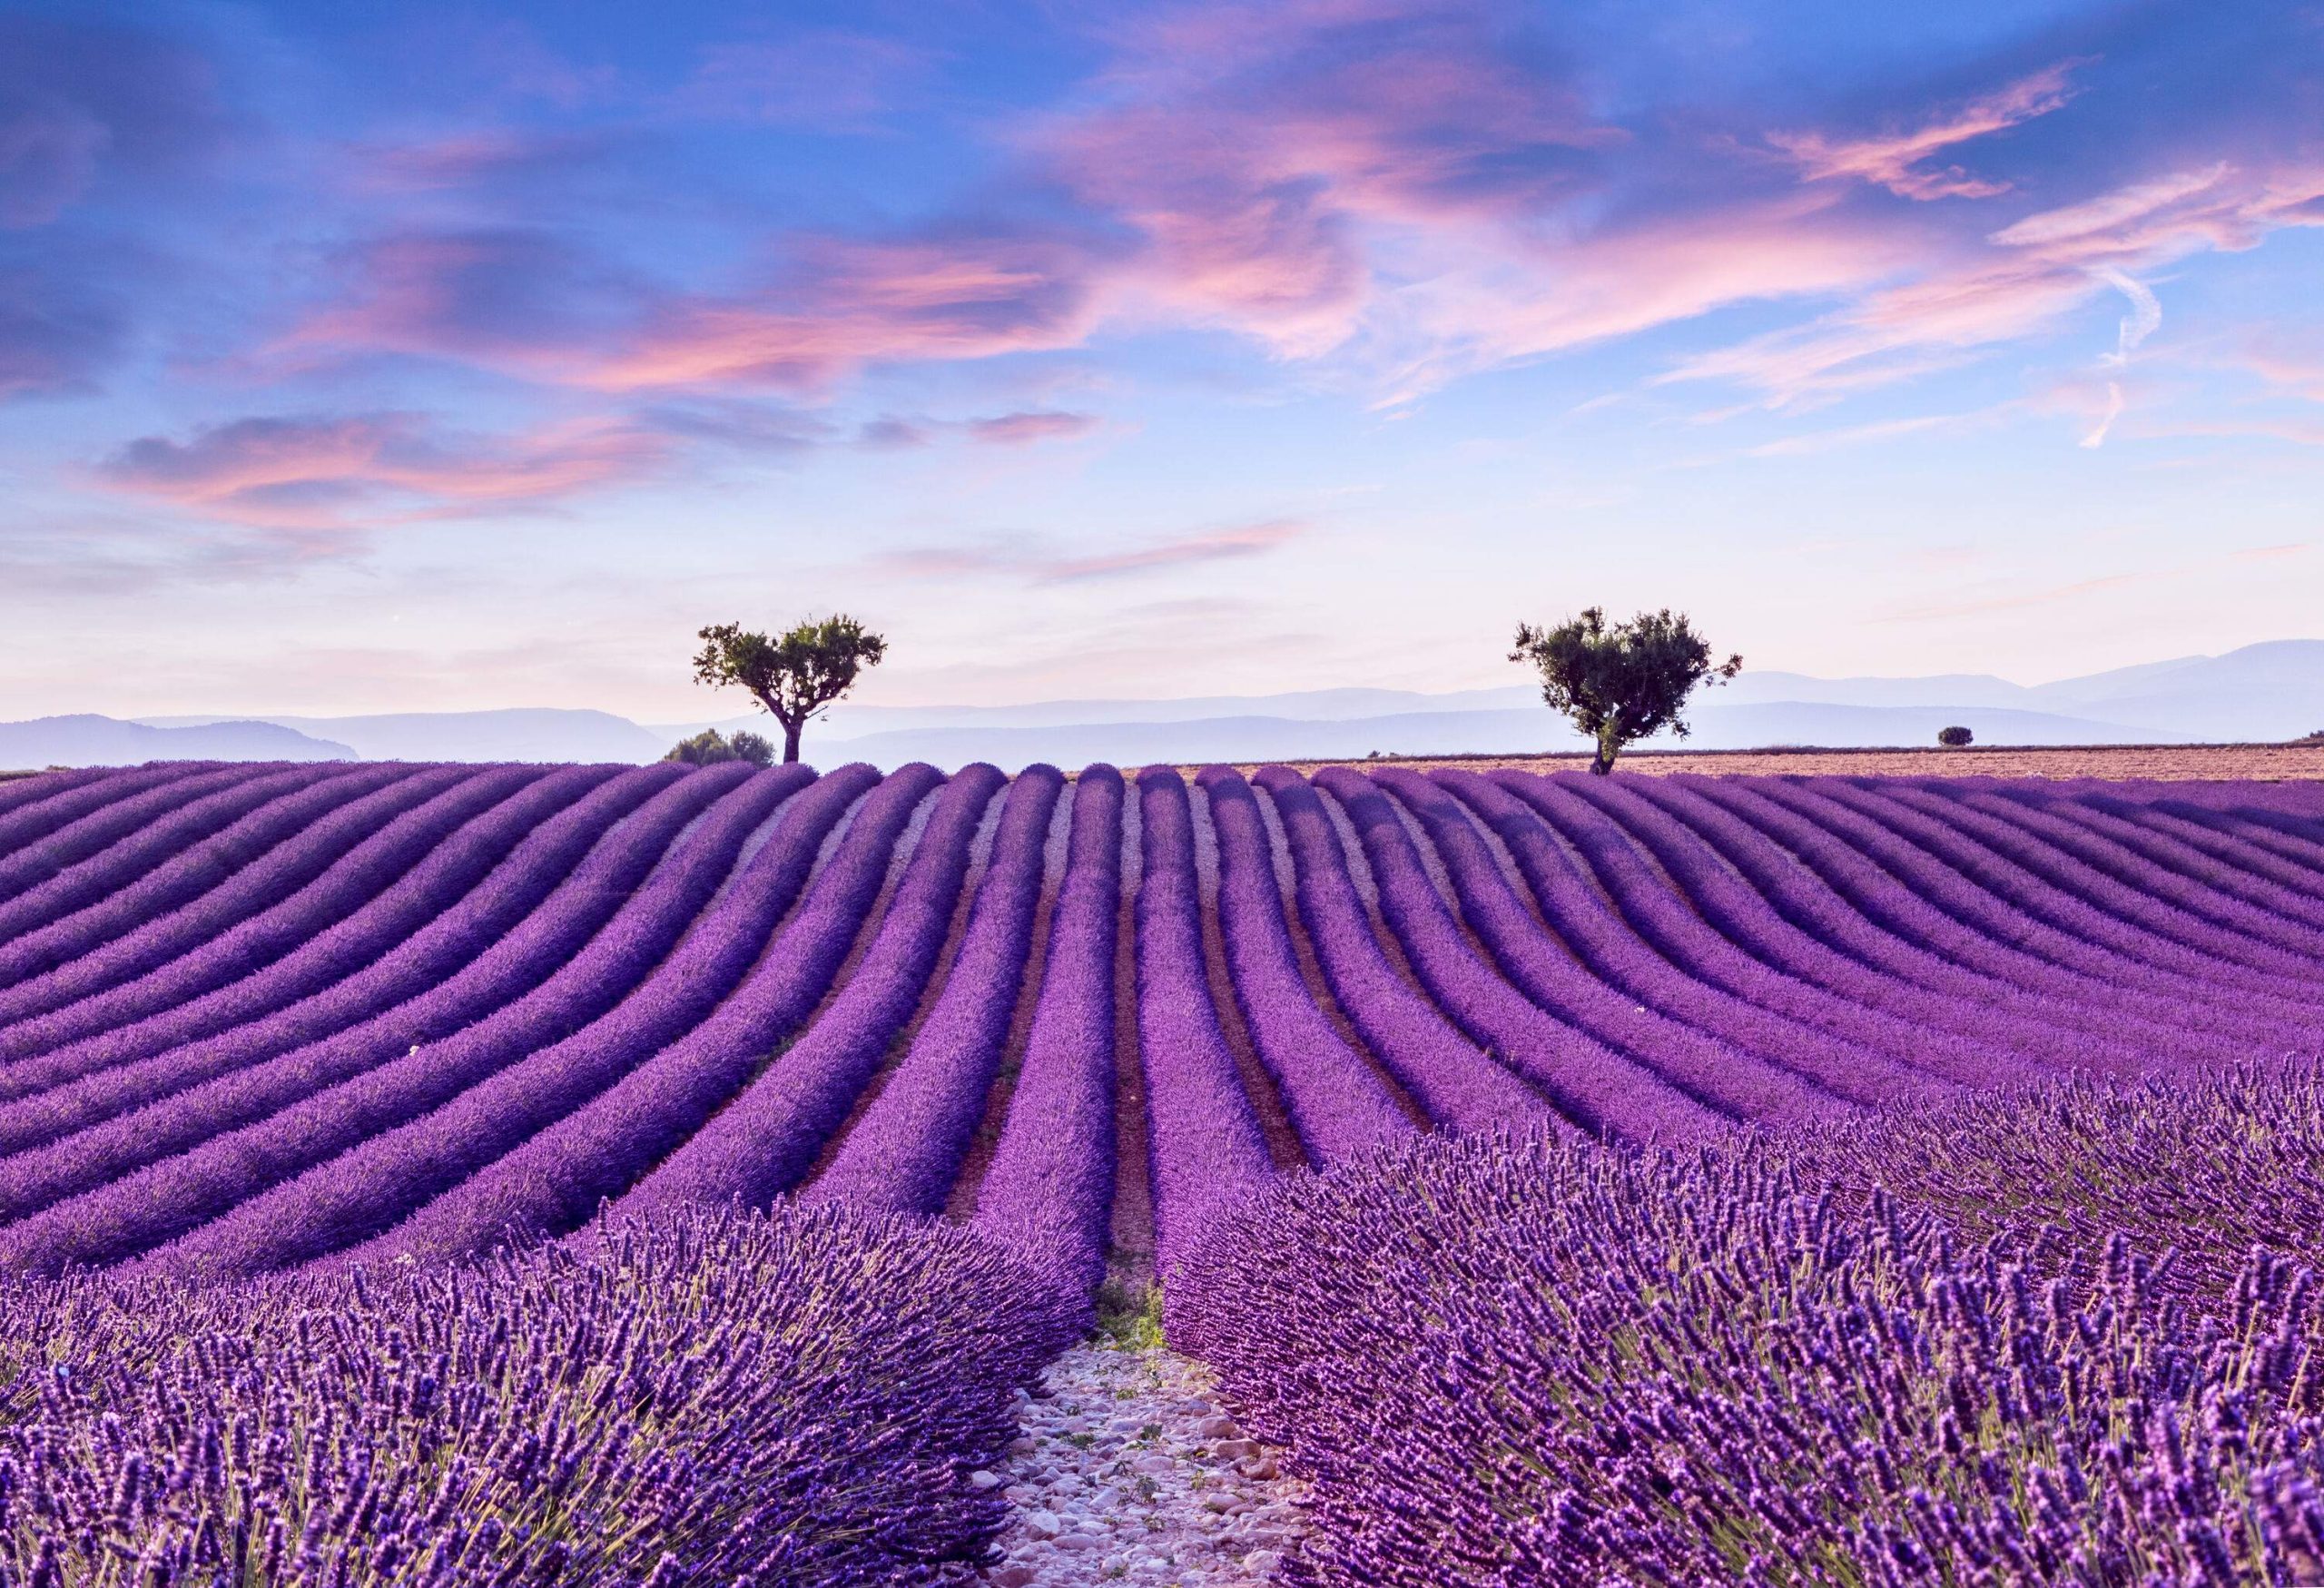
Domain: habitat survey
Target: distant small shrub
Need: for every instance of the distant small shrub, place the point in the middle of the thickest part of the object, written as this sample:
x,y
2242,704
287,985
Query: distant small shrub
x,y
1953,738
1130,1317
710,747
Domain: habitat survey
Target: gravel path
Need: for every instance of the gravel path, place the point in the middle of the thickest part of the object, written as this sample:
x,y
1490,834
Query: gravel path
x,y
1127,1470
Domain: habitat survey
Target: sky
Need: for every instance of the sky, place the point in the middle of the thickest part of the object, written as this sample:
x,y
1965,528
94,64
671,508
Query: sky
x,y
427,357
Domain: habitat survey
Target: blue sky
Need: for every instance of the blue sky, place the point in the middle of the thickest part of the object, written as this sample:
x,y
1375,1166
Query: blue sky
x,y
423,357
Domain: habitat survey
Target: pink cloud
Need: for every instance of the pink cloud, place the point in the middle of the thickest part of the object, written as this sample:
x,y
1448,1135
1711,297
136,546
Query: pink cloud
x,y
1858,435
370,469
1020,428
896,431
1628,278
2298,432
2103,217
1893,160
1046,568
1217,546
859,303
1409,188
2025,278
1275,158
517,299
2295,368
466,159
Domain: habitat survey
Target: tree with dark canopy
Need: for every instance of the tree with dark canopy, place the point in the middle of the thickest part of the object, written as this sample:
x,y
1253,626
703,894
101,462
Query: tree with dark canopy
x,y
709,747
1953,738
796,677
1622,682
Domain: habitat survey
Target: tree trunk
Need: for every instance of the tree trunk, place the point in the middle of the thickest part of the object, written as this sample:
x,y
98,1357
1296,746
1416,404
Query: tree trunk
x,y
1608,748
791,742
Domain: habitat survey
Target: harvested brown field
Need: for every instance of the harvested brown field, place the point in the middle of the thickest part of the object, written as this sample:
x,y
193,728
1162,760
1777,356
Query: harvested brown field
x,y
2268,763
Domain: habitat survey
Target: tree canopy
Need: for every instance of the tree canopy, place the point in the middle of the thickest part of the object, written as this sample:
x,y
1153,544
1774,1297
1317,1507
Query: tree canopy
x,y
709,747
795,676
1622,682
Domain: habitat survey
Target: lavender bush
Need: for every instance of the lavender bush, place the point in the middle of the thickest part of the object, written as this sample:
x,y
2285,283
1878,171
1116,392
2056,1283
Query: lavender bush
x,y
2022,1339
788,1401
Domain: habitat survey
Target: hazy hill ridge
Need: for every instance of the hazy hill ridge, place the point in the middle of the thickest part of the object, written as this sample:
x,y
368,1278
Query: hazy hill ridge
x,y
89,740
2266,692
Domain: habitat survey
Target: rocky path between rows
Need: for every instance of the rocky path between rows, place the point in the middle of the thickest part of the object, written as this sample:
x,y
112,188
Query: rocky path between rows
x,y
1128,1470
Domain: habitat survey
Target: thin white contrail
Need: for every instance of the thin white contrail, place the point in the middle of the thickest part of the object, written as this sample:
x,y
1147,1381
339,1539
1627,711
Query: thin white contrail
x,y
2140,323
2097,438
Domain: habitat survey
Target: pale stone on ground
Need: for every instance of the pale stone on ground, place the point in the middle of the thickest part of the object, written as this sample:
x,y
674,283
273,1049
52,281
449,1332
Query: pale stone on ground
x,y
1128,1470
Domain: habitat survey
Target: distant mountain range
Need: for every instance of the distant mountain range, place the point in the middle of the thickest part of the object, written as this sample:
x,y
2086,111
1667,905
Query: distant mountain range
x,y
2267,692
88,740
517,734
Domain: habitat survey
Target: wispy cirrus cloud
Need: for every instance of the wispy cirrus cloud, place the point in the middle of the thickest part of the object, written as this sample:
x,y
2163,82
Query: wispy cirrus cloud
x,y
1042,564
1412,189
2104,219
1032,425
476,158
1285,167
1023,428
1896,160
1818,442
365,470
2032,276
1392,193
2286,362
2250,426
847,305
525,300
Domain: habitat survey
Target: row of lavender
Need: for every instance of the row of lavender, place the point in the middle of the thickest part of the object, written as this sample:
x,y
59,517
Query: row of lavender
x,y
263,1019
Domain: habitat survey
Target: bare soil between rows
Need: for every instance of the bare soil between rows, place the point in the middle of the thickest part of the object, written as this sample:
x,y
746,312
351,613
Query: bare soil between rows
x,y
2169,763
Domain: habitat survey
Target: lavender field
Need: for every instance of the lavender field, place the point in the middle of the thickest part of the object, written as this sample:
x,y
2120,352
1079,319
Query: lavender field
x,y
1763,1180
